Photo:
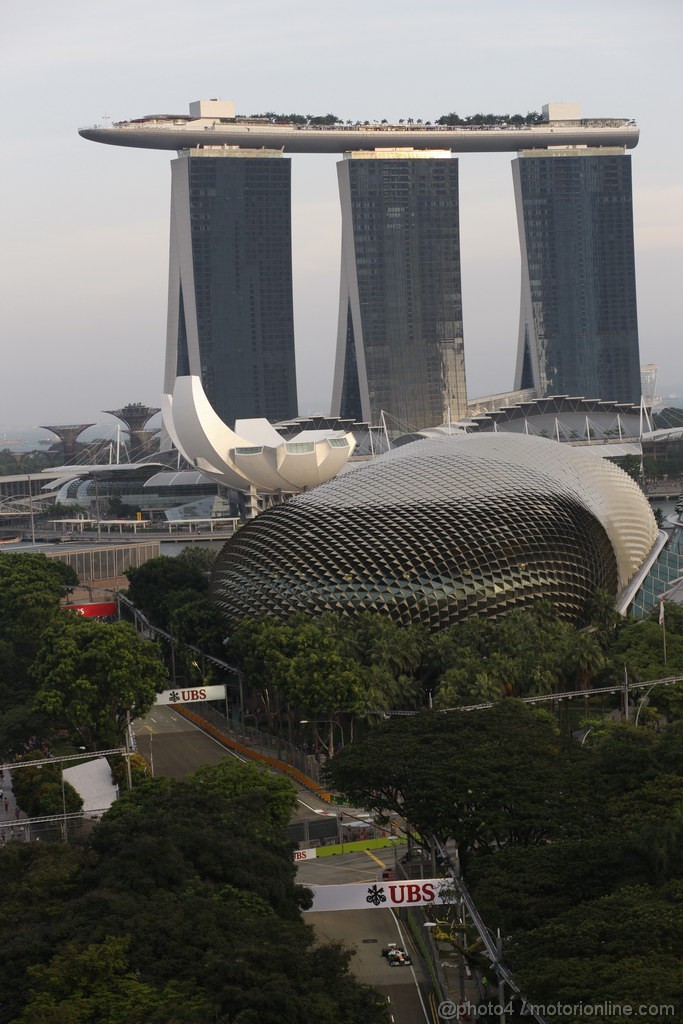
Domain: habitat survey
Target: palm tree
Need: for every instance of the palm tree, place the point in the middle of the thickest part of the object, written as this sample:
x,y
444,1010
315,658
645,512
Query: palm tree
x,y
458,687
584,658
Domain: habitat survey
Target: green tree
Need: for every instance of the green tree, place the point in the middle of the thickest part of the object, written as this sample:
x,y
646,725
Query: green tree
x,y
92,675
638,648
59,511
40,790
631,464
319,679
81,927
154,584
95,984
198,558
275,794
622,947
390,659
522,654
31,588
118,509
484,778
196,621
299,666
467,684
584,658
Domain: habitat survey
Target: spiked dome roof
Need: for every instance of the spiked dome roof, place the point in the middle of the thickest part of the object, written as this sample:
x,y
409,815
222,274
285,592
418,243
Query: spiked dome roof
x,y
442,529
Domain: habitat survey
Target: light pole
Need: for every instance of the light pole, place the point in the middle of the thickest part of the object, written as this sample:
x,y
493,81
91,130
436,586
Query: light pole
x,y
643,700
31,510
64,837
97,508
395,840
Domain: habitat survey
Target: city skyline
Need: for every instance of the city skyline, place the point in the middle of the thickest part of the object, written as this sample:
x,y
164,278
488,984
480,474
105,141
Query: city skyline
x,y
85,273
400,351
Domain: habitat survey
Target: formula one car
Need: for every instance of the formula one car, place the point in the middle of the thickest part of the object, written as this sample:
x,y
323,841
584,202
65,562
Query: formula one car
x,y
396,955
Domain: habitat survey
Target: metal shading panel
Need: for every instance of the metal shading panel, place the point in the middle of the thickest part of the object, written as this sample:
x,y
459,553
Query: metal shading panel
x,y
434,532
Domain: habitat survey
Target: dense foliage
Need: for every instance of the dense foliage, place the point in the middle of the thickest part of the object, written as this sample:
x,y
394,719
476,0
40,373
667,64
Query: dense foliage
x,y
162,584
41,790
31,588
65,679
91,676
493,778
355,671
469,120
574,852
181,908
517,120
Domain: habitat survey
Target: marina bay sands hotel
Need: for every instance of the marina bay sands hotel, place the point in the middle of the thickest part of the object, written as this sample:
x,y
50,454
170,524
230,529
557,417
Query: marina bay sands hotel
x,y
400,347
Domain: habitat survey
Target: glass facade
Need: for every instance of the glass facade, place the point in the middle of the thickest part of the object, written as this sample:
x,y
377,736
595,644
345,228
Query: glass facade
x,y
400,346
235,325
578,325
666,570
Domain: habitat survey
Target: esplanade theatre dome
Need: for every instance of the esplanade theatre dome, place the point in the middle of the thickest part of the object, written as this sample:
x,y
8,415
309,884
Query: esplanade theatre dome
x,y
443,529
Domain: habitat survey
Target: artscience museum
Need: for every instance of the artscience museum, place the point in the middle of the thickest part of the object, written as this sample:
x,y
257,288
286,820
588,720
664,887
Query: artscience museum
x,y
254,454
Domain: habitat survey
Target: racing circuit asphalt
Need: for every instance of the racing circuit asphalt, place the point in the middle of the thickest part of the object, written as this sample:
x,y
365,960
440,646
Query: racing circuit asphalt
x,y
176,747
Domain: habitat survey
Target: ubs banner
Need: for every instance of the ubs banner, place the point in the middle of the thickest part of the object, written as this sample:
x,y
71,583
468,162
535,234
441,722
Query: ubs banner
x,y
190,694
382,895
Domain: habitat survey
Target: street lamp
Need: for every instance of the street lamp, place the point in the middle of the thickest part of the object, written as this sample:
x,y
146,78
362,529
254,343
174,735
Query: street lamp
x,y
97,508
326,721
64,828
644,699
31,510
395,840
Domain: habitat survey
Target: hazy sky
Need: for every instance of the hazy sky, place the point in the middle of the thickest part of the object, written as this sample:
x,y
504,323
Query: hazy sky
x,y
85,227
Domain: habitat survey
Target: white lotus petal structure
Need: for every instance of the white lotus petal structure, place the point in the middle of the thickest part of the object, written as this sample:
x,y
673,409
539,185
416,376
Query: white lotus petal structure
x,y
253,454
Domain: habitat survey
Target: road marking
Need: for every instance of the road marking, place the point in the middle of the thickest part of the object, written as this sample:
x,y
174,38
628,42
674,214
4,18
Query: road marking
x,y
412,969
376,859
303,802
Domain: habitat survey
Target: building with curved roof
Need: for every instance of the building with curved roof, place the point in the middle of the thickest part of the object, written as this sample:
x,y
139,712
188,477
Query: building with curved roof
x,y
441,530
215,123
254,454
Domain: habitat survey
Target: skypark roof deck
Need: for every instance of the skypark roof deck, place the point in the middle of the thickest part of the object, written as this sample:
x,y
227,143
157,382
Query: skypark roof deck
x,y
180,132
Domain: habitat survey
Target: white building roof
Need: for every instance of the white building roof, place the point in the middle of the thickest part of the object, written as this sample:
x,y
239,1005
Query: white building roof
x,y
93,781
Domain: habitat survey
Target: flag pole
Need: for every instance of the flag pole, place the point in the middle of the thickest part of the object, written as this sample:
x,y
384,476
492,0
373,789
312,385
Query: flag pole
x,y
662,623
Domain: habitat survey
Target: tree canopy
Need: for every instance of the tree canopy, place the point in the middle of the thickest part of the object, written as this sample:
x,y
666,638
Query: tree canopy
x,y
483,777
31,588
92,675
153,586
182,907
